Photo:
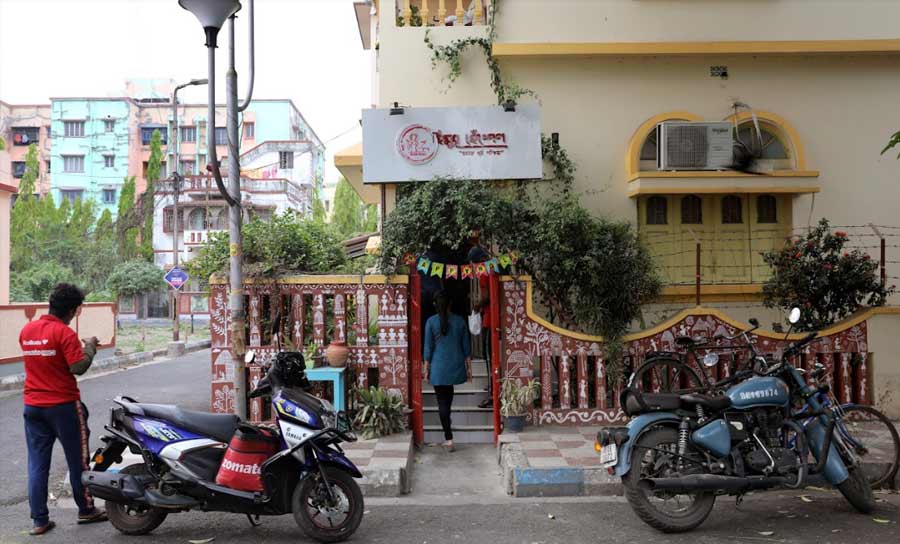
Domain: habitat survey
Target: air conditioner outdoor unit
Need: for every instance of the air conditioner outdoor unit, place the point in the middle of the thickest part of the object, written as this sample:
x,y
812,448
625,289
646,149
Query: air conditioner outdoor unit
x,y
684,145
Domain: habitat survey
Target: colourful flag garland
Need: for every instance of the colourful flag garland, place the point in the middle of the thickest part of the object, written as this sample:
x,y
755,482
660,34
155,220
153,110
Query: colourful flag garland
x,y
466,271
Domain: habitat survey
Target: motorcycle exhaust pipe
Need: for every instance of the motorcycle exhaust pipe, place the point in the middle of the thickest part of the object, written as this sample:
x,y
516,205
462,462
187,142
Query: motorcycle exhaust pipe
x,y
113,486
711,482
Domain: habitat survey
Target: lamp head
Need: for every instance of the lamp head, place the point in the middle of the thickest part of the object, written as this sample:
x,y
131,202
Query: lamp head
x,y
212,14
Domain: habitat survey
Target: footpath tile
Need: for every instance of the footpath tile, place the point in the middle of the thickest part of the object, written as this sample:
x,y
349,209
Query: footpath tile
x,y
542,445
543,453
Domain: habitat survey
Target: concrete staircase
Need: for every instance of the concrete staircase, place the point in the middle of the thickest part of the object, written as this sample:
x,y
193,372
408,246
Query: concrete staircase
x,y
471,424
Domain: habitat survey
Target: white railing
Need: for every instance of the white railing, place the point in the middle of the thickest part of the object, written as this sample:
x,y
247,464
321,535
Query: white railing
x,y
197,237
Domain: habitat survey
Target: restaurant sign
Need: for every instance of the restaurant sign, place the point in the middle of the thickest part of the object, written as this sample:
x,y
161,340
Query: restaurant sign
x,y
467,143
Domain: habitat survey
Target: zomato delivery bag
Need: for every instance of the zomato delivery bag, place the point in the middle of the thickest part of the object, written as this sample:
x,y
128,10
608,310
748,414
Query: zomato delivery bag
x,y
249,448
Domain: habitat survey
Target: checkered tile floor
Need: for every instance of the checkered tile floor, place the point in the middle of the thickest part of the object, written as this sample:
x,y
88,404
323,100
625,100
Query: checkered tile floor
x,y
551,446
388,452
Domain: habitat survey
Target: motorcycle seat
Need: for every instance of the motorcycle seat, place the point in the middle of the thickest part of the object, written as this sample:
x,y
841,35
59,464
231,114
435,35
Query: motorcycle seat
x,y
655,402
715,404
218,426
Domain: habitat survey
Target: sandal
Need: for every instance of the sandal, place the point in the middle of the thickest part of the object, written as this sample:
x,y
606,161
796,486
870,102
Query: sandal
x,y
42,530
96,516
448,445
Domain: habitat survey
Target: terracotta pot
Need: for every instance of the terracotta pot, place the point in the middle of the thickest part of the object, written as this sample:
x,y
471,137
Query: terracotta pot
x,y
337,353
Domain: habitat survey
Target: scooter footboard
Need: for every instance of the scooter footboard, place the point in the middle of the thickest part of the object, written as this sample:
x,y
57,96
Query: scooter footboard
x,y
834,471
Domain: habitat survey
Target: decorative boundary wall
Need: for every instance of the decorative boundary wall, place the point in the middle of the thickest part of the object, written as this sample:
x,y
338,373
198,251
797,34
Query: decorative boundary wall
x,y
93,319
575,387
315,308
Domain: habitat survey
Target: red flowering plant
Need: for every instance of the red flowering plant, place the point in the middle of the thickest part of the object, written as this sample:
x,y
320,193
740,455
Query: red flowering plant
x,y
816,274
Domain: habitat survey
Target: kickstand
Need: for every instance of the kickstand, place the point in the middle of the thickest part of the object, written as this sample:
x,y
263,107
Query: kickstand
x,y
255,523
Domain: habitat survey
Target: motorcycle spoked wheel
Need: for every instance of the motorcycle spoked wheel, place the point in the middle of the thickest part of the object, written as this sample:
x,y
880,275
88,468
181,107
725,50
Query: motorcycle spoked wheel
x,y
132,520
314,513
666,512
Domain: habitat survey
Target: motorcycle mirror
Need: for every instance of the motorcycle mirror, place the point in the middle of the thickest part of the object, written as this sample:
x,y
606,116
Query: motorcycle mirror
x,y
794,316
711,359
249,356
754,322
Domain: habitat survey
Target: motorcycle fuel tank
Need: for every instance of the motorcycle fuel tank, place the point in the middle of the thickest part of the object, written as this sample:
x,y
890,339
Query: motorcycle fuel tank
x,y
759,391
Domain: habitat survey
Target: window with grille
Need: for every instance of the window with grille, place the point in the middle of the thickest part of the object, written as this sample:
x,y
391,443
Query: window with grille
x,y
732,210
187,167
25,135
657,213
249,131
168,220
73,129
691,210
197,219
73,163
188,134
18,168
147,134
109,125
766,143
285,160
109,161
71,195
49,132
766,209
48,166
221,135
109,196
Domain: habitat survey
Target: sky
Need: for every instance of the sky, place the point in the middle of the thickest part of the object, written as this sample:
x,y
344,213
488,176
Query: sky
x,y
306,50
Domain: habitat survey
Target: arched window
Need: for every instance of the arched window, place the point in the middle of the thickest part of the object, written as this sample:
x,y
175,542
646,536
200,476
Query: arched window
x,y
197,219
766,209
691,210
732,210
657,212
769,143
221,221
648,150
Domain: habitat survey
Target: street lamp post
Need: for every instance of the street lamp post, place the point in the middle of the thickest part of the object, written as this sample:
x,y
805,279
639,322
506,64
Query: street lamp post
x,y
176,188
212,14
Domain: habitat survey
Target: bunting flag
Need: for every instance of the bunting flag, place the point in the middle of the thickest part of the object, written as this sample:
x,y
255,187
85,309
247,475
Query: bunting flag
x,y
466,271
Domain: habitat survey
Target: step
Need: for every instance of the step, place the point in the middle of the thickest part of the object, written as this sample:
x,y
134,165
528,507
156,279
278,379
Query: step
x,y
479,382
463,434
465,395
461,415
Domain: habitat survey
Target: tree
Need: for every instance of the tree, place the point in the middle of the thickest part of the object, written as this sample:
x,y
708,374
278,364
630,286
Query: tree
x,y
319,214
817,275
154,165
135,278
347,216
127,222
26,238
593,273
371,224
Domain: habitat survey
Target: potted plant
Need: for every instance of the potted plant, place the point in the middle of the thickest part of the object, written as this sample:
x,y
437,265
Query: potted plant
x,y
379,413
516,401
310,355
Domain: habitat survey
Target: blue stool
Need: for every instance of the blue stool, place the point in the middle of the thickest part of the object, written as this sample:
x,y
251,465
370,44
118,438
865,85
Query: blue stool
x,y
335,375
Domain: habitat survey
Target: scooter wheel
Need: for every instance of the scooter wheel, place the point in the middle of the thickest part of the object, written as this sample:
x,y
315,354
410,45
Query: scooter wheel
x,y
132,520
319,517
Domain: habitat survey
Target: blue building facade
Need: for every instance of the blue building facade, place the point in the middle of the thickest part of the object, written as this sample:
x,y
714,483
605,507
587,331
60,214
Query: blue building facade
x,y
90,149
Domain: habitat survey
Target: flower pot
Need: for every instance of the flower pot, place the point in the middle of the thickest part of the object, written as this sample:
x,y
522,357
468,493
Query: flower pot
x,y
337,353
513,424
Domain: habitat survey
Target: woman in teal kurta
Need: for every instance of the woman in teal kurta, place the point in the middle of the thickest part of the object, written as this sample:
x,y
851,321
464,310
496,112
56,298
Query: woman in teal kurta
x,y
447,361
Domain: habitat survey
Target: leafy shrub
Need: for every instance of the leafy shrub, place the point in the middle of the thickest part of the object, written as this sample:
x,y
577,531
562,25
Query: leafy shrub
x,y
817,275
34,284
286,243
135,277
379,413
516,400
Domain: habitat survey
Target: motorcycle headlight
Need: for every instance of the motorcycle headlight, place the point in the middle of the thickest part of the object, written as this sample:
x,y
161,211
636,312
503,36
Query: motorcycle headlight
x,y
329,420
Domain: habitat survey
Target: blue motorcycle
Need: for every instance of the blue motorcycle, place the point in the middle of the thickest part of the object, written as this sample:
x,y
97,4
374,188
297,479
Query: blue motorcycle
x,y
680,450
185,453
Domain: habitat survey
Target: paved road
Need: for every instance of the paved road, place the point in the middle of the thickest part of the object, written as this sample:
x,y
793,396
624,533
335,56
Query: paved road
x,y
184,380
456,520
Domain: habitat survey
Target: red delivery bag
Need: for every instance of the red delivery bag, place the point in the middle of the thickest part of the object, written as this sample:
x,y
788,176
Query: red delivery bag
x,y
249,448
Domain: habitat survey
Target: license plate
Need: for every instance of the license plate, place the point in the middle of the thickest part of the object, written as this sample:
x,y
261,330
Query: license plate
x,y
609,455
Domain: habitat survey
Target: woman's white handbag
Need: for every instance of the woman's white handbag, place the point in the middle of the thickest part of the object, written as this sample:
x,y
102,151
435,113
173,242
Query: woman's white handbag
x,y
475,323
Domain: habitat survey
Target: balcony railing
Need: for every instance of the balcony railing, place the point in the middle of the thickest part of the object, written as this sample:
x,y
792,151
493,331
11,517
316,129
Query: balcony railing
x,y
443,12
197,237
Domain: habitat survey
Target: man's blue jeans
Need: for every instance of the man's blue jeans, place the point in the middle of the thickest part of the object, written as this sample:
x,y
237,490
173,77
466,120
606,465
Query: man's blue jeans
x,y
43,427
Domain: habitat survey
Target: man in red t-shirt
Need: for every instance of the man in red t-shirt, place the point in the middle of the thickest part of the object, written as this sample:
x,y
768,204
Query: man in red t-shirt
x,y
53,408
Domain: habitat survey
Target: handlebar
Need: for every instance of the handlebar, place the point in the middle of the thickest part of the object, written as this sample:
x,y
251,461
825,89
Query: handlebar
x,y
799,344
